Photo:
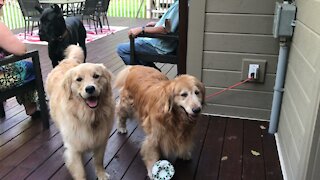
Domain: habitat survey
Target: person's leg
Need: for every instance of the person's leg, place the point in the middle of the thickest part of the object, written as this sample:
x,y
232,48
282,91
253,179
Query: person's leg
x,y
123,51
143,48
29,99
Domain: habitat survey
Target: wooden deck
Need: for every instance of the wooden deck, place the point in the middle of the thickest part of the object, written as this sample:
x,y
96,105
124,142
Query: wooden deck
x,y
224,146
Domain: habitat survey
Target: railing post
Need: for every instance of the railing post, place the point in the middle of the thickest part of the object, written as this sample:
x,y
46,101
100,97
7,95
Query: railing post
x,y
148,8
183,32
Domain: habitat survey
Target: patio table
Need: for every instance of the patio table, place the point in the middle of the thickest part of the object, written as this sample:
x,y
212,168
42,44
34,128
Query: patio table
x,y
68,3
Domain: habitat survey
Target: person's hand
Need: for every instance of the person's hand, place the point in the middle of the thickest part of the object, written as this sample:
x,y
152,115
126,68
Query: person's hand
x,y
151,24
135,31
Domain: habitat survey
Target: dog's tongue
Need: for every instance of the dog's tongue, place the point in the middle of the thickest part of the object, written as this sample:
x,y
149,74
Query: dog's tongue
x,y
92,102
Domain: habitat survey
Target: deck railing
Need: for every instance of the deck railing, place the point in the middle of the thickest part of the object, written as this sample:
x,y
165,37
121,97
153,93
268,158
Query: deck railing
x,y
11,14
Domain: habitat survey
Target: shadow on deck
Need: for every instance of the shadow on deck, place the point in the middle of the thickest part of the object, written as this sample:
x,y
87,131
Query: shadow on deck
x,y
224,147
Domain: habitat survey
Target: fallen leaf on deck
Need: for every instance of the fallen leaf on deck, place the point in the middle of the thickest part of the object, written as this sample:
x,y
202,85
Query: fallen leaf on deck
x,y
224,158
255,153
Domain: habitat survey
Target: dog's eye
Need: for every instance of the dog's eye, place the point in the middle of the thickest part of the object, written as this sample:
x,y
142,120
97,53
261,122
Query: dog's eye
x,y
79,79
96,76
184,94
196,92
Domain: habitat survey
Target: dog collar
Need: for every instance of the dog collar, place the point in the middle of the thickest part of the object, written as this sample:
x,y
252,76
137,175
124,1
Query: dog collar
x,y
60,38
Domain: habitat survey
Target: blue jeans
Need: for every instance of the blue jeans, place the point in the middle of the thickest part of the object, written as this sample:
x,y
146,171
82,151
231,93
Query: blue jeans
x,y
123,51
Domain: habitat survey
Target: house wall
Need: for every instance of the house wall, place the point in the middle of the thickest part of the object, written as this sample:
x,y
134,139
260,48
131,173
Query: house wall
x,y
298,133
221,35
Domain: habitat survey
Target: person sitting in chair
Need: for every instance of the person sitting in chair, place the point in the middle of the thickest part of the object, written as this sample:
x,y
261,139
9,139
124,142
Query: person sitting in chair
x,y
17,73
153,46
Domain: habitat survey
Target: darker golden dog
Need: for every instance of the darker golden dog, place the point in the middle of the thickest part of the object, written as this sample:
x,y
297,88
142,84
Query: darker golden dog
x,y
167,111
82,107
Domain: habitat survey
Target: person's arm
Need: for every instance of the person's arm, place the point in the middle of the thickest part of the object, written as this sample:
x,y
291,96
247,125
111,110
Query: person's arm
x,y
151,24
151,30
9,42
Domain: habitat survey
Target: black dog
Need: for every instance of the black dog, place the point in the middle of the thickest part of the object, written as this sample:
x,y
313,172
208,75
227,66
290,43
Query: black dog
x,y
60,32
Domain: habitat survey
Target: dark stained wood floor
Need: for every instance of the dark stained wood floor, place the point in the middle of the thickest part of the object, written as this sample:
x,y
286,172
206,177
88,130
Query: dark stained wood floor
x,y
224,147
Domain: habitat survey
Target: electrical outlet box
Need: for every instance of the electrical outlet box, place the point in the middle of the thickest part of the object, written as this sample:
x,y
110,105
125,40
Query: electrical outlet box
x,y
253,71
284,19
250,65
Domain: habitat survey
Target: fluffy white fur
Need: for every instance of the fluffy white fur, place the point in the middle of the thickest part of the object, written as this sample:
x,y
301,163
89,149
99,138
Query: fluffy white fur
x,y
82,107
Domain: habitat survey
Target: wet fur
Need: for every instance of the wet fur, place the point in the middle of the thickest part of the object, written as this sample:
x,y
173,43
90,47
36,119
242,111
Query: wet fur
x,y
82,128
155,101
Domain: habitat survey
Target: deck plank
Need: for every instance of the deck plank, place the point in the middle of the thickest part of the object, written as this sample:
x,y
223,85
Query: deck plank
x,y
187,169
209,162
51,165
36,159
136,170
253,164
19,140
12,121
232,151
272,163
121,161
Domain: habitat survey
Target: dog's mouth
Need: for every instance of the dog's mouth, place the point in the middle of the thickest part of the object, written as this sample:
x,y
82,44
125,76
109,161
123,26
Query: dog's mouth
x,y
92,101
191,117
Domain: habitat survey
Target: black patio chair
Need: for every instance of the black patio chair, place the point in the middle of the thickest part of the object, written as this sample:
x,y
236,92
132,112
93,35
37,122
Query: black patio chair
x,y
30,14
171,58
102,10
89,12
179,55
34,84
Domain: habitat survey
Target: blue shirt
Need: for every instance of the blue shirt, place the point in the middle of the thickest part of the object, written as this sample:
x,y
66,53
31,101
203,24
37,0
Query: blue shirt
x,y
166,46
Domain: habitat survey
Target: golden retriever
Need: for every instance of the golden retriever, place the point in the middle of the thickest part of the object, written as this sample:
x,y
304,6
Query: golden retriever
x,y
167,111
82,107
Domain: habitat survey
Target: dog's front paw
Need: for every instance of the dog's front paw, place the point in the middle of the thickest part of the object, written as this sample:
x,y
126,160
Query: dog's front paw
x,y
103,176
122,130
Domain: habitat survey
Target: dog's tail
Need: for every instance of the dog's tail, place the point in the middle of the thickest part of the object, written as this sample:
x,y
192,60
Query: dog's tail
x,y
74,52
121,77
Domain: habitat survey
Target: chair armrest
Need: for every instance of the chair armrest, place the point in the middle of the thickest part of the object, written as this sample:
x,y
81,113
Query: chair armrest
x,y
160,36
14,58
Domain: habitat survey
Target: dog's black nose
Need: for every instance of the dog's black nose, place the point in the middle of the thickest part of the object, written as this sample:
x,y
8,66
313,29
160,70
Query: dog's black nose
x,y
90,89
196,110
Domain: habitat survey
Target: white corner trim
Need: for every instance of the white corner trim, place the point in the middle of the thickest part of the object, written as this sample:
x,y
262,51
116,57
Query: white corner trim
x,y
282,164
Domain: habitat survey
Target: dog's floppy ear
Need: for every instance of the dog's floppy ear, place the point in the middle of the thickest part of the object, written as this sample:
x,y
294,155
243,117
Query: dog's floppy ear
x,y
168,97
39,8
66,83
106,73
56,9
202,89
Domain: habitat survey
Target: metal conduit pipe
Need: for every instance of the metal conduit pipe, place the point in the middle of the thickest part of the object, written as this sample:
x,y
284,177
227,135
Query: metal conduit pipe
x,y
279,86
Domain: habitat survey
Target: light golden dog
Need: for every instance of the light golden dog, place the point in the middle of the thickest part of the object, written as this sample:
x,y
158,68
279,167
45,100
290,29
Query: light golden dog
x,y
167,111
82,107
